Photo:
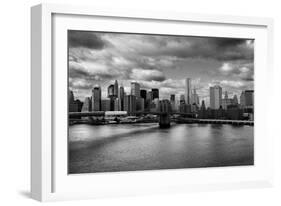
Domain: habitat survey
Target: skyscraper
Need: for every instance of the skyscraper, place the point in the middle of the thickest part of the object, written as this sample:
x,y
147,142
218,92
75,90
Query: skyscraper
x,y
87,106
173,98
105,105
130,103
96,98
188,91
226,102
143,94
247,98
115,92
110,91
155,93
215,97
135,89
194,97
121,94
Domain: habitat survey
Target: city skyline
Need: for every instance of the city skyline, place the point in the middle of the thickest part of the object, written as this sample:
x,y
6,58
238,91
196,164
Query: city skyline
x,y
139,100
163,62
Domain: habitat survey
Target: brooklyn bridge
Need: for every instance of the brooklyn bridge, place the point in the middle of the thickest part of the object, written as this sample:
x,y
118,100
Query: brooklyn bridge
x,y
164,119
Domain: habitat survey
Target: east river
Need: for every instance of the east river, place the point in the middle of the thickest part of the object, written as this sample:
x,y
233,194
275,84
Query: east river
x,y
130,147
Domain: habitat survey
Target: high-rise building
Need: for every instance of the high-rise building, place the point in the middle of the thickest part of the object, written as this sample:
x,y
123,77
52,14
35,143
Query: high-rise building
x,y
130,103
110,91
225,102
149,96
140,104
173,98
182,98
105,105
96,98
154,105
173,102
194,97
155,93
143,94
87,106
242,99
116,103
115,92
247,98
73,106
70,96
135,89
188,91
203,107
121,95
215,97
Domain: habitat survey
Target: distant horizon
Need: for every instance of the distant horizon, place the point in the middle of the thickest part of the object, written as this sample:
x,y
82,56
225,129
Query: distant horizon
x,y
159,61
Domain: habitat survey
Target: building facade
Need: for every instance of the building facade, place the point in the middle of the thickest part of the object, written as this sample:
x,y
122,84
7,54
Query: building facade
x,y
188,91
135,89
215,97
96,98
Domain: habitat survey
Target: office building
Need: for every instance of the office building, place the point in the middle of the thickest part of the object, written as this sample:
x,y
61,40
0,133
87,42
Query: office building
x,y
247,99
194,97
140,104
188,91
110,91
135,89
155,93
121,94
115,91
105,105
96,98
215,97
87,105
130,103
143,94
173,98
225,102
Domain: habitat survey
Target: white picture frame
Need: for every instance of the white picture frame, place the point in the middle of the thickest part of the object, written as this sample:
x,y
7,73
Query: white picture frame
x,y
49,180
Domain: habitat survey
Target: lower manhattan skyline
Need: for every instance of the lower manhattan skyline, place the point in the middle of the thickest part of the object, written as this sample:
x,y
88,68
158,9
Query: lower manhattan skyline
x,y
148,102
162,62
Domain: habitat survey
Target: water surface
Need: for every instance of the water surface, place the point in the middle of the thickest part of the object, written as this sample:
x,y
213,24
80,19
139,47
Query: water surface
x,y
130,147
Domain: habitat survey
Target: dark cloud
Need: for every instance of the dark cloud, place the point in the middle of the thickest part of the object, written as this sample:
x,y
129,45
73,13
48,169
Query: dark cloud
x,y
85,39
221,49
159,62
226,42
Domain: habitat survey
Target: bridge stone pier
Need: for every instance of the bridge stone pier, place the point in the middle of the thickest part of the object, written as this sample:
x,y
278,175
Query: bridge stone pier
x,y
164,120
164,115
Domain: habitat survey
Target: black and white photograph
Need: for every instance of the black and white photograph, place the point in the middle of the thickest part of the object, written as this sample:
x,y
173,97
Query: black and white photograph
x,y
141,102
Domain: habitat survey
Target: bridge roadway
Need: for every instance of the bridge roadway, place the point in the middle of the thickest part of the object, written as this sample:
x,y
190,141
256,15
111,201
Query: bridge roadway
x,y
164,120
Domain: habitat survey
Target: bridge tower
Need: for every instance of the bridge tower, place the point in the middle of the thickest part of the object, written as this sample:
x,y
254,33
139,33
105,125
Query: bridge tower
x,y
164,117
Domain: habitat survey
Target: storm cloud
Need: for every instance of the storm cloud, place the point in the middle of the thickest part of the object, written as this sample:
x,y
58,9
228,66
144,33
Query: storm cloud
x,y
85,39
158,61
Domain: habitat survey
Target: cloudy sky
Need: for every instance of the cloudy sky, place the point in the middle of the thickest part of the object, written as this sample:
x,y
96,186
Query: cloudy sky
x,y
157,61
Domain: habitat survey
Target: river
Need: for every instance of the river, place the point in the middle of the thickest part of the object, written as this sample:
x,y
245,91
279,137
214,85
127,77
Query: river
x,y
131,147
